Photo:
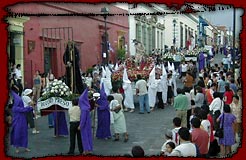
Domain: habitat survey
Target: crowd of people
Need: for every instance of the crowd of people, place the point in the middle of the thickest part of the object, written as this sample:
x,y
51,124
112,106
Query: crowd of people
x,y
211,96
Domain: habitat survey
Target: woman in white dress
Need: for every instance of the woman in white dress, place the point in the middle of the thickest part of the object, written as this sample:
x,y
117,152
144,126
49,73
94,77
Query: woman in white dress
x,y
119,118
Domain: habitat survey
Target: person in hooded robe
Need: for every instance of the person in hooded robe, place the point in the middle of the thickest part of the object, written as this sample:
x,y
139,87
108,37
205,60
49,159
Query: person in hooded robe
x,y
201,60
71,60
106,80
19,132
85,123
103,116
163,83
128,100
152,89
174,78
60,124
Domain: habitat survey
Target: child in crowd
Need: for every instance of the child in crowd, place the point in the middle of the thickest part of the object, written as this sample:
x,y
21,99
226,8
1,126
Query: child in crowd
x,y
168,138
177,126
169,148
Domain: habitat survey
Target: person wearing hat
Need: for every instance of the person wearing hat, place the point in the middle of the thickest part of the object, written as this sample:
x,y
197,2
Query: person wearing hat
x,y
28,102
168,138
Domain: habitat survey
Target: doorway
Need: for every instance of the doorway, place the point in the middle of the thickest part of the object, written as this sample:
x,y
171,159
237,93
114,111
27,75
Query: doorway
x,y
50,62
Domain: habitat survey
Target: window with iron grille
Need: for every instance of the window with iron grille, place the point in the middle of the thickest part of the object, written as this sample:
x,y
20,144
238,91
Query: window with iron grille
x,y
138,32
149,40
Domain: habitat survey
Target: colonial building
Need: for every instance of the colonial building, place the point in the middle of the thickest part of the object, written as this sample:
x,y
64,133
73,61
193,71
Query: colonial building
x,y
181,30
156,27
51,26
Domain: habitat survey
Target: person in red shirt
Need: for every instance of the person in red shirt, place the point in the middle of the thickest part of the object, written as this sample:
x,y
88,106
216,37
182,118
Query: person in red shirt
x,y
209,93
228,95
200,137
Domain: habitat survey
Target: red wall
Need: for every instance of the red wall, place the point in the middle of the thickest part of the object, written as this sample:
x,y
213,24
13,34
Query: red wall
x,y
85,29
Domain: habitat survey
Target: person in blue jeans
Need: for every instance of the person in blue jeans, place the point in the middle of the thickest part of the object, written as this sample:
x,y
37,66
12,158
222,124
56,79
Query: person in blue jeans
x,y
142,93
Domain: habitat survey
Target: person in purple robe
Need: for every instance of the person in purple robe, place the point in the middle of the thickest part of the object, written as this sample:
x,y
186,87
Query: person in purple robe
x,y
201,60
85,123
103,116
225,51
19,132
60,124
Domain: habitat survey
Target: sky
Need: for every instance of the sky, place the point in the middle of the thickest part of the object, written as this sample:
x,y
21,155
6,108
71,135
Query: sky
x,y
224,18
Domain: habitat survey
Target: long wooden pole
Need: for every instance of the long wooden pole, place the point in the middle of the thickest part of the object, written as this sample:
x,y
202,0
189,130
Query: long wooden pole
x,y
71,69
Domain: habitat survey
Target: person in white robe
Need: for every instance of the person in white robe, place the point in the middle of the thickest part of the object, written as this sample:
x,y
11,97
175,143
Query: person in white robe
x,y
164,84
106,80
174,77
152,89
128,100
116,67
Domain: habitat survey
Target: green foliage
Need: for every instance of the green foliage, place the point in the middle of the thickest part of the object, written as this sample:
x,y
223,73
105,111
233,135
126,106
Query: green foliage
x,y
89,70
121,54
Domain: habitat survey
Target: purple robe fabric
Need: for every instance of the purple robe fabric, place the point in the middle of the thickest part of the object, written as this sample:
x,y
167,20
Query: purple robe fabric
x,y
19,132
103,116
85,122
201,61
60,124
225,52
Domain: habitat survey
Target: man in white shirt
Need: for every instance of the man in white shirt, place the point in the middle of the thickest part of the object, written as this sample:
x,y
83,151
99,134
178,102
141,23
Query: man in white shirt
x,y
225,62
186,148
74,116
142,93
19,77
184,68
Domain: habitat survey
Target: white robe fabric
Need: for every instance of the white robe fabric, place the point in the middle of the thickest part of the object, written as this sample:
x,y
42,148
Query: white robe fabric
x,y
174,77
164,84
128,101
106,80
152,88
107,85
164,90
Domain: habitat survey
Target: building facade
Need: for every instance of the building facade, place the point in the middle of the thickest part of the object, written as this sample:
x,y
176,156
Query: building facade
x,y
46,37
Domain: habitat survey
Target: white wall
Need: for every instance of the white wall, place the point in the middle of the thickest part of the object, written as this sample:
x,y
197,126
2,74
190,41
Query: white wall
x,y
185,20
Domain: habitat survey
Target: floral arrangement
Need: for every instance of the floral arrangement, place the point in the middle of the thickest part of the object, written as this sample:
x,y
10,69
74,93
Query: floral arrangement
x,y
205,51
181,55
57,88
143,69
168,57
192,53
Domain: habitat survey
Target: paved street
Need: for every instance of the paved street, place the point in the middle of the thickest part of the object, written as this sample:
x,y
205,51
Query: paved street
x,y
146,130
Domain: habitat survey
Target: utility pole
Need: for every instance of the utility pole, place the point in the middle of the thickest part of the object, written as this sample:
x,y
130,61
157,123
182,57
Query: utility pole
x,y
234,41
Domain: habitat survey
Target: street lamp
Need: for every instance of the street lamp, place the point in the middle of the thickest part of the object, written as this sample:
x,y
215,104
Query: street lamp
x,y
174,38
105,12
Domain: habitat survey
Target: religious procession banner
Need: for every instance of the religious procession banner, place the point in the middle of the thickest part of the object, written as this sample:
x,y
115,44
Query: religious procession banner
x,y
194,59
56,96
53,101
